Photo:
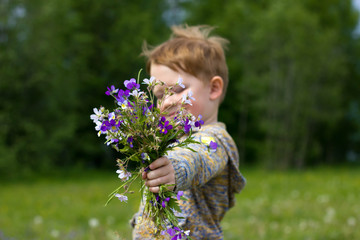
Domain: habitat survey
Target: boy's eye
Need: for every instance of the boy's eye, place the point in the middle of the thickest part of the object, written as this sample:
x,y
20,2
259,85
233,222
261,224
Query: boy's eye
x,y
159,95
178,89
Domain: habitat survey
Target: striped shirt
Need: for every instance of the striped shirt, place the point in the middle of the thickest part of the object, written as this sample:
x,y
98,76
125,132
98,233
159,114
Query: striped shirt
x,y
209,181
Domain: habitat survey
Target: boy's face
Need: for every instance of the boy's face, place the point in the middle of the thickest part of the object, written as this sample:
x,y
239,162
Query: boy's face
x,y
202,105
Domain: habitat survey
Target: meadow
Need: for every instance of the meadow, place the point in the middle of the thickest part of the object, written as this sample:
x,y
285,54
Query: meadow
x,y
321,203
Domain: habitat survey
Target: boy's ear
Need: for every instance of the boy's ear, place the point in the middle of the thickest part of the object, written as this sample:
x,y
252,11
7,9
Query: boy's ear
x,y
216,87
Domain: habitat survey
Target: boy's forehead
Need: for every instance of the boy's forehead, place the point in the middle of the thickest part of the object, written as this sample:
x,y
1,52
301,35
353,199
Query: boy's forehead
x,y
164,73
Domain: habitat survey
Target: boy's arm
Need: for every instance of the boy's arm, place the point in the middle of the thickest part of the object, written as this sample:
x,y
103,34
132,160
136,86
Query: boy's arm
x,y
197,168
186,168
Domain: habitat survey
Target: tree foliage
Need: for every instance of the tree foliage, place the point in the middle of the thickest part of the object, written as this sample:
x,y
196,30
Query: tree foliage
x,y
57,59
294,70
291,69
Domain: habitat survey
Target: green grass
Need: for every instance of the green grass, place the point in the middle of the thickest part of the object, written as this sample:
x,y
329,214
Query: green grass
x,y
316,204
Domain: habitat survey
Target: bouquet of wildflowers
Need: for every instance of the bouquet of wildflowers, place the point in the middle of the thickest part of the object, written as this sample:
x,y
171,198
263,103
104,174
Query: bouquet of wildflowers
x,y
139,131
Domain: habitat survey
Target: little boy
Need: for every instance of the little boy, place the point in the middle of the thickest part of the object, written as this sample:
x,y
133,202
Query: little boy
x,y
209,179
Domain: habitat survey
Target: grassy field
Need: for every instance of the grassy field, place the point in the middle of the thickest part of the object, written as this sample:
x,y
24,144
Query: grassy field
x,y
322,203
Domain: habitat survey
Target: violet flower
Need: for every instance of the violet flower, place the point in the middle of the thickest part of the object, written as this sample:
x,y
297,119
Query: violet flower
x,y
111,90
213,145
164,126
130,141
179,194
130,84
199,122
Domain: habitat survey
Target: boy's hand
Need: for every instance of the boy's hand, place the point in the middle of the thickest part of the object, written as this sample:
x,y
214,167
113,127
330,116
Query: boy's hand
x,y
161,172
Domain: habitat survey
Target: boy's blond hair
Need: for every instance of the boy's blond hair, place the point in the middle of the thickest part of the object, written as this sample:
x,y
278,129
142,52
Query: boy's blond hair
x,y
192,50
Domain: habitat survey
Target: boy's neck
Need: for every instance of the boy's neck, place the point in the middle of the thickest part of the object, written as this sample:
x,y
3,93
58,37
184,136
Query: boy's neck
x,y
213,118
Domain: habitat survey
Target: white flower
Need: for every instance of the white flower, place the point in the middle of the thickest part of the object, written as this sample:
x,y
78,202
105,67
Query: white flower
x,y
187,232
145,156
123,104
186,99
136,93
180,82
190,95
98,125
111,116
121,197
123,175
97,116
149,82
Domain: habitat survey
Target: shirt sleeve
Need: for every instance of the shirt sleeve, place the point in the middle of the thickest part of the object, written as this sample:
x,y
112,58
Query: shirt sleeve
x,y
198,167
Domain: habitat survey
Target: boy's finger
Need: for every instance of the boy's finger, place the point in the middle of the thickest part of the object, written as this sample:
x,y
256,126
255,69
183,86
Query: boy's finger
x,y
157,173
157,181
158,163
154,189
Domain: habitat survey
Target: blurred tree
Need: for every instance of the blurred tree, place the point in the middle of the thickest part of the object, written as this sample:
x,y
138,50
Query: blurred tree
x,y
290,70
56,56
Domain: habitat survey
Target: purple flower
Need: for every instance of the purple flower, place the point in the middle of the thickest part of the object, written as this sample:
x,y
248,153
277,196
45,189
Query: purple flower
x,y
164,125
199,122
112,125
176,237
130,84
187,126
171,232
179,194
111,90
213,145
163,203
130,141
122,95
103,127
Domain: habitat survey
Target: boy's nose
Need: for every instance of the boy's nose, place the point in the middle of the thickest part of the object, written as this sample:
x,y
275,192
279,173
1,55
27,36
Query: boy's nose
x,y
168,103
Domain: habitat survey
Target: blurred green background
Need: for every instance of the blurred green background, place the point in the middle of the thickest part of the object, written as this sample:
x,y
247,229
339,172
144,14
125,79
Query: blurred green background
x,y
293,102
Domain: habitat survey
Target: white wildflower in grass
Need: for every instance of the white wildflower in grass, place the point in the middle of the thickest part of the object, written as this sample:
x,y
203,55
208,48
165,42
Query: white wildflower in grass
x,y
351,221
94,222
141,133
303,225
55,233
330,215
295,193
38,220
323,198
